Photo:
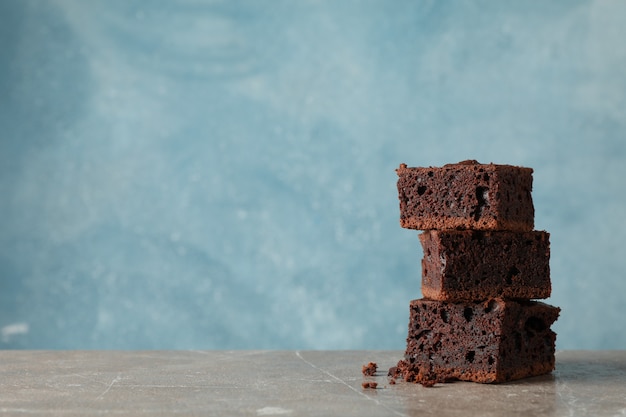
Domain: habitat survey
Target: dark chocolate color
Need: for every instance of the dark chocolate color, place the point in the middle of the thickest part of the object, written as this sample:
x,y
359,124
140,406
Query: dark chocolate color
x,y
369,369
466,265
488,342
467,195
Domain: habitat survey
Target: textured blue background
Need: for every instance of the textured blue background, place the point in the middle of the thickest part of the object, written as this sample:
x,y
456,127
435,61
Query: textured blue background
x,y
208,174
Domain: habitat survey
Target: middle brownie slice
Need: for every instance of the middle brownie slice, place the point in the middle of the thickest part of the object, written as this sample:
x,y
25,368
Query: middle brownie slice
x,y
471,265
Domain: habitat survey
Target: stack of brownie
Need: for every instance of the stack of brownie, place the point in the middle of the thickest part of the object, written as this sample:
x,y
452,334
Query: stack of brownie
x,y
482,268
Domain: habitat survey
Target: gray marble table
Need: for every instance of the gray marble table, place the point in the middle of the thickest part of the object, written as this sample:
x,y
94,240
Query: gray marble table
x,y
289,383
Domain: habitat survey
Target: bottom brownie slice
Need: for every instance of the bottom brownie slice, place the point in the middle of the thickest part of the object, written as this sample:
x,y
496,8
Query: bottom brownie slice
x,y
493,341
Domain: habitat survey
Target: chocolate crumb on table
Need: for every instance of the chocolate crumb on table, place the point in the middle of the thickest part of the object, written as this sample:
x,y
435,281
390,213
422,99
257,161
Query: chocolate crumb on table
x,y
369,385
424,375
369,369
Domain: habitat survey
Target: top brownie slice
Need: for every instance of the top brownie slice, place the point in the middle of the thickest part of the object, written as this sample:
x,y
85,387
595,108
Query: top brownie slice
x,y
466,195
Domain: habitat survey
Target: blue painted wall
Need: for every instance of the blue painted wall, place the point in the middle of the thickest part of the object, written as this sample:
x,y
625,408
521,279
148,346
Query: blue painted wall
x,y
208,174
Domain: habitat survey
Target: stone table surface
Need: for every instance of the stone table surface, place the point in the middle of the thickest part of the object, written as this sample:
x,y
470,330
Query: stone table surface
x,y
290,383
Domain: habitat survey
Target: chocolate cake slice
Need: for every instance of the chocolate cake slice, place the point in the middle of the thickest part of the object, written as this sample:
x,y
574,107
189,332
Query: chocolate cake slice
x,y
467,265
466,195
488,342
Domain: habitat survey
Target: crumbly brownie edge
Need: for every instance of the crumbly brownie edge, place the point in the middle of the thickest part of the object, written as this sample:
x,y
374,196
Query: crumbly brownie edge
x,y
477,295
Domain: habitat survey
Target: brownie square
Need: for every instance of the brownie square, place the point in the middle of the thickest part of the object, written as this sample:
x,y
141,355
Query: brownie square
x,y
466,195
487,342
467,265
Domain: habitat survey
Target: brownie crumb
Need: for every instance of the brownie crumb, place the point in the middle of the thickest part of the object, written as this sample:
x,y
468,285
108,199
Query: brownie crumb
x,y
369,369
369,385
426,377
428,383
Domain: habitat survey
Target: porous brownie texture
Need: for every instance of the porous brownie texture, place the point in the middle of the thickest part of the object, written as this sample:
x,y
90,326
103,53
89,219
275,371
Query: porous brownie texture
x,y
470,265
488,342
466,195
369,369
